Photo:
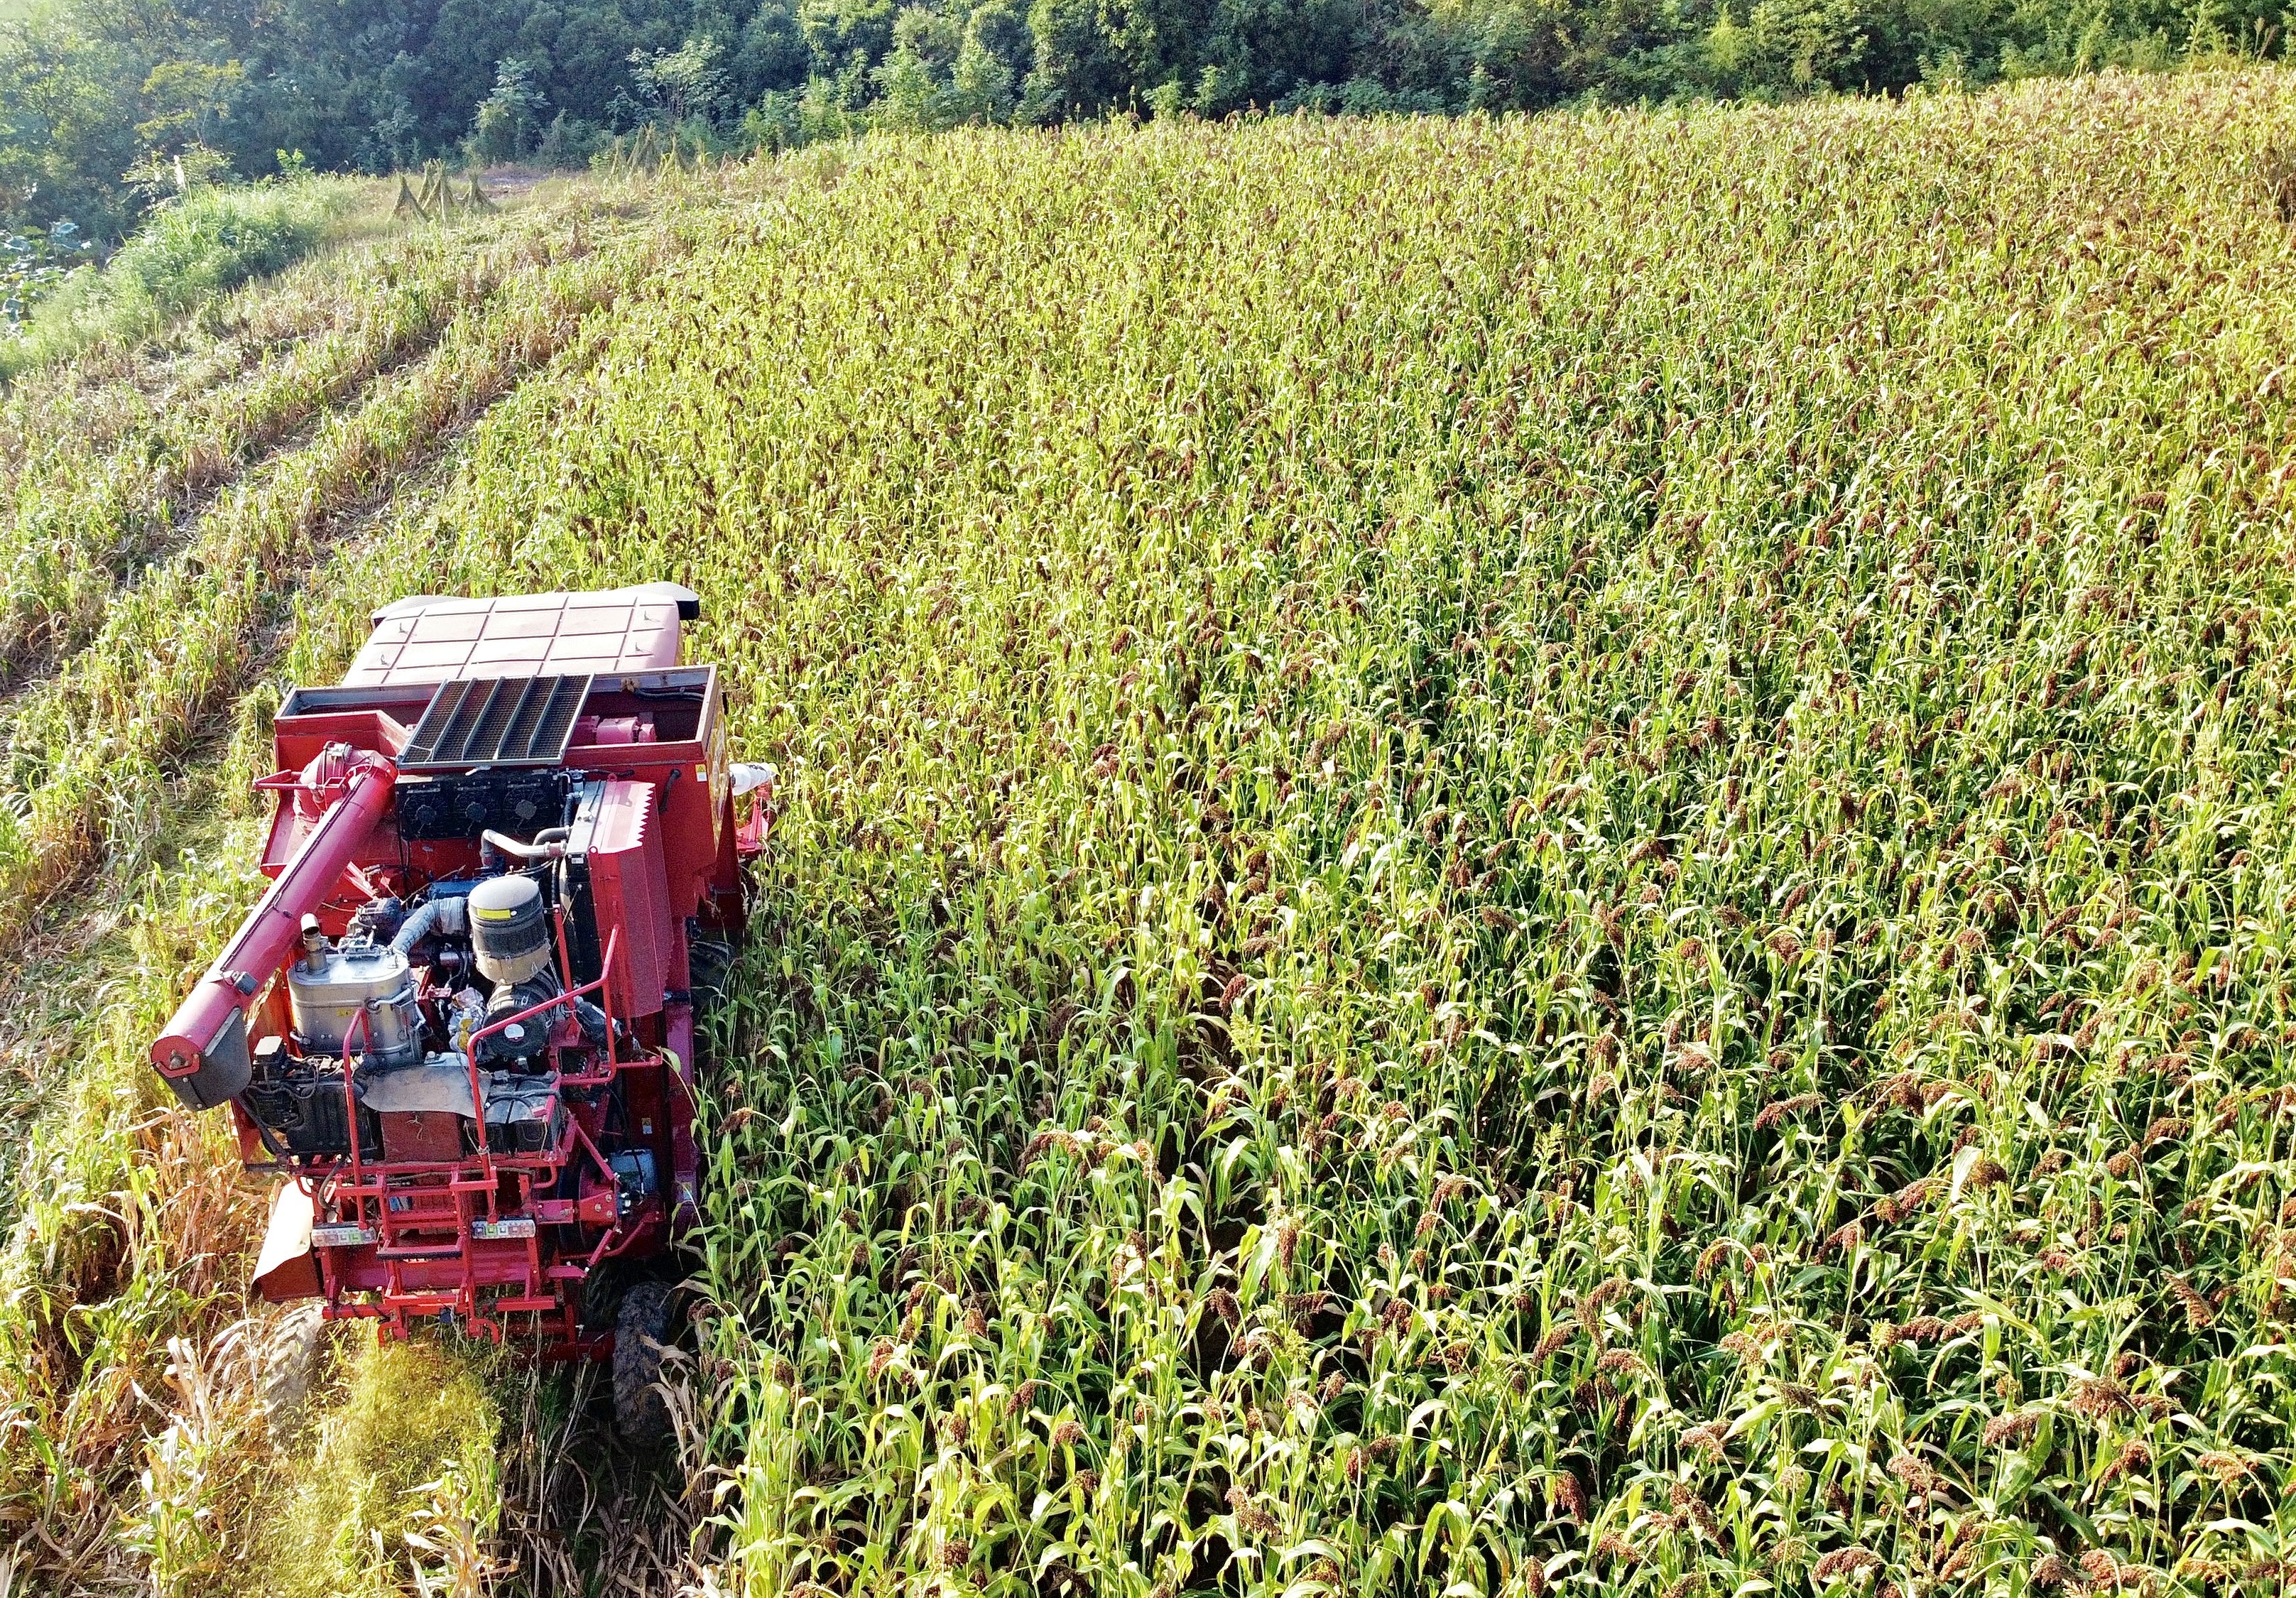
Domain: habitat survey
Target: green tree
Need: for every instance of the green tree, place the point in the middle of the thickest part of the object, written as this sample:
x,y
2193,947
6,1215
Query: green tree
x,y
187,101
944,74
769,52
1785,47
683,83
1077,71
1258,51
988,63
843,34
69,107
511,115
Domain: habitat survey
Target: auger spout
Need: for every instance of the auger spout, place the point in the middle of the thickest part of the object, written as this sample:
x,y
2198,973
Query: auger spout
x,y
203,1051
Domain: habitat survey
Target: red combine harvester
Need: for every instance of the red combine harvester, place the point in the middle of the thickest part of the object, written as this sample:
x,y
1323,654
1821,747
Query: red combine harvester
x,y
461,1017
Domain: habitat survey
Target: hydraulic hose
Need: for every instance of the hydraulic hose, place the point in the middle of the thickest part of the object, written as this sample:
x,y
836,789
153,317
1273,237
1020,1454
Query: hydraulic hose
x,y
446,916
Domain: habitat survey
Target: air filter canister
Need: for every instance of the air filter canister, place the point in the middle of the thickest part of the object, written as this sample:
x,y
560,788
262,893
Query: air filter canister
x,y
510,933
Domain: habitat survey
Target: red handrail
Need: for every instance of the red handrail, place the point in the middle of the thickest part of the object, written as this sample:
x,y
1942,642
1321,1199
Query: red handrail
x,y
564,996
556,999
362,1027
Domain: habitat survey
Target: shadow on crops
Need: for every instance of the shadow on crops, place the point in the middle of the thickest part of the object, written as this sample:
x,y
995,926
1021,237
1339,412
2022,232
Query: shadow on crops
x,y
587,1516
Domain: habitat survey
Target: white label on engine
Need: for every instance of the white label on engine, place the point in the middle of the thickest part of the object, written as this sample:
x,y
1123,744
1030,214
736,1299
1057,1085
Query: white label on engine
x,y
490,1232
341,1237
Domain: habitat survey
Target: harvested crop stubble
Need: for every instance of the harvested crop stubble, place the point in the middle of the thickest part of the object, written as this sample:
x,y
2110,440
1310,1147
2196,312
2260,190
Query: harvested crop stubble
x,y
86,747
91,507
1400,733
129,375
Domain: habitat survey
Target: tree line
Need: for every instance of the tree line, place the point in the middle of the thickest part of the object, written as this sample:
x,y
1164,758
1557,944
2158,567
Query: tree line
x,y
104,103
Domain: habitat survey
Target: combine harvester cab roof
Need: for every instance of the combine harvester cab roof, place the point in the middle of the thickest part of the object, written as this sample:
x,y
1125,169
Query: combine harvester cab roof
x,y
430,639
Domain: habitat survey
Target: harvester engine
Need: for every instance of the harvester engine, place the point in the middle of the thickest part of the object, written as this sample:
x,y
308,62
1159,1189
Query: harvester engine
x,y
461,1021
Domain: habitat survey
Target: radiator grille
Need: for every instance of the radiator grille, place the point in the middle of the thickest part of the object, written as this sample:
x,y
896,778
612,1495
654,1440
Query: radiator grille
x,y
496,721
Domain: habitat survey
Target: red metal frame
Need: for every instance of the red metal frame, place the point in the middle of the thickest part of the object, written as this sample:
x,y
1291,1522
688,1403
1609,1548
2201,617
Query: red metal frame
x,y
391,1242
485,1236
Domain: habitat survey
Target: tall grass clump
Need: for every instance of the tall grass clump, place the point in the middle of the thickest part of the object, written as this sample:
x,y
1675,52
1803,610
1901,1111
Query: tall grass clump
x,y
190,252
399,1481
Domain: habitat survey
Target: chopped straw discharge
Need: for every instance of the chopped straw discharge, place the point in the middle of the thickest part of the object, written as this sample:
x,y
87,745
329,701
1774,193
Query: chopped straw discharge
x,y
1517,854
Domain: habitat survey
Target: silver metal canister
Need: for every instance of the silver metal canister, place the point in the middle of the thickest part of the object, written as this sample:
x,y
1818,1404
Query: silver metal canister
x,y
327,1001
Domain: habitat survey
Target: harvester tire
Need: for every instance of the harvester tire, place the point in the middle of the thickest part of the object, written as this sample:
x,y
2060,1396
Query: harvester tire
x,y
641,1329
712,963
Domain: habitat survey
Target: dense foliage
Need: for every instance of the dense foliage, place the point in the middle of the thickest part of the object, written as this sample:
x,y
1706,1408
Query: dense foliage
x,y
1517,853
91,91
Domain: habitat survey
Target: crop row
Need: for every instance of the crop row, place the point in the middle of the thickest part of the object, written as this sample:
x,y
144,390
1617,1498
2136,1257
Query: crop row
x,y
87,746
91,509
1592,895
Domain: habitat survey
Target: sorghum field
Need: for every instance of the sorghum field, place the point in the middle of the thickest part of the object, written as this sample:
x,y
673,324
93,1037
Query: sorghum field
x,y
1516,856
